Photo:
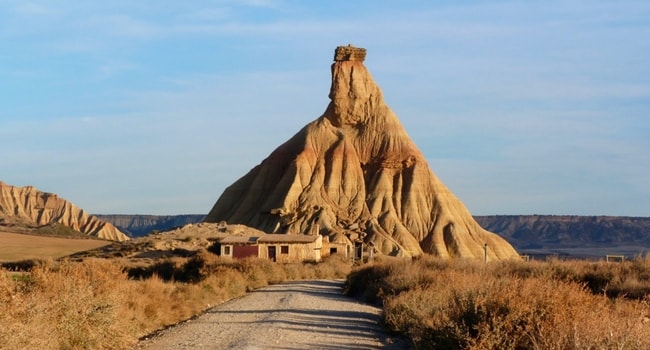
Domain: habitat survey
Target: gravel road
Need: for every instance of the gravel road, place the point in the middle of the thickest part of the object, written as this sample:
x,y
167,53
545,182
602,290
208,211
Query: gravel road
x,y
295,315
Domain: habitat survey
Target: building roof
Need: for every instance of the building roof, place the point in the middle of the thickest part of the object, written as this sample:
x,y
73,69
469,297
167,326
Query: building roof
x,y
239,239
269,238
287,238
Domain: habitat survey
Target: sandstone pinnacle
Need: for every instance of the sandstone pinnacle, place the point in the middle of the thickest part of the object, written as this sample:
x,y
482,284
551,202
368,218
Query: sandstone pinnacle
x,y
355,173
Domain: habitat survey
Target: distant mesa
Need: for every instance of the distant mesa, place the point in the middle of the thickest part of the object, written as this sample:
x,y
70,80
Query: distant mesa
x,y
29,206
142,225
355,174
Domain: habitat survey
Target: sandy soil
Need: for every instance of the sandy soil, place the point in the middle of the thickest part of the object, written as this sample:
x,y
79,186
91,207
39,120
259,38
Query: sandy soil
x,y
295,315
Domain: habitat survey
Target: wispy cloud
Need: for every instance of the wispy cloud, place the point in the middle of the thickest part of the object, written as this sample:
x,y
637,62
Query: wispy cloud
x,y
122,25
113,68
31,9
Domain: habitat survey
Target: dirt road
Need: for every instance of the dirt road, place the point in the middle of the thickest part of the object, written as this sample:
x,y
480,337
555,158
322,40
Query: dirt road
x,y
295,315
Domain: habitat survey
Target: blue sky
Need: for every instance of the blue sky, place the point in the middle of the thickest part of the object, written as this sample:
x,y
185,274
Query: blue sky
x,y
155,107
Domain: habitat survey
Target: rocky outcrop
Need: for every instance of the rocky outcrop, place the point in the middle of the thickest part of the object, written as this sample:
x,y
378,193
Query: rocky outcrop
x,y
349,53
27,205
355,173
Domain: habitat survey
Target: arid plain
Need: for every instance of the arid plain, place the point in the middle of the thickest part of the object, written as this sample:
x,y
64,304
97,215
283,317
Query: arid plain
x,y
355,183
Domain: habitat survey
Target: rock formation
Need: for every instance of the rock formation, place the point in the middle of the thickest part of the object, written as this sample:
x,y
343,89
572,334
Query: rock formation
x,y
27,205
355,173
142,225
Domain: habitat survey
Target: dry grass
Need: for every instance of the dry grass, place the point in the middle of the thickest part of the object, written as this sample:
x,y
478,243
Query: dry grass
x,y
105,304
16,246
511,305
95,305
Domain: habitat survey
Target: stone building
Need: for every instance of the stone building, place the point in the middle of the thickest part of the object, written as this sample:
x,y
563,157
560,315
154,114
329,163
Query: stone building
x,y
276,247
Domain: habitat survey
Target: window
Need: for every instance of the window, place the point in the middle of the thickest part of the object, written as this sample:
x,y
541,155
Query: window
x,y
226,250
284,249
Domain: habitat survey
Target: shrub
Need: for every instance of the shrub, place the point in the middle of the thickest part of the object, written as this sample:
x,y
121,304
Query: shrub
x,y
68,306
509,305
95,304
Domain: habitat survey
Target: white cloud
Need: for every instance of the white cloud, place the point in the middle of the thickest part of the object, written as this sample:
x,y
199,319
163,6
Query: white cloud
x,y
112,68
122,25
26,8
260,3
211,14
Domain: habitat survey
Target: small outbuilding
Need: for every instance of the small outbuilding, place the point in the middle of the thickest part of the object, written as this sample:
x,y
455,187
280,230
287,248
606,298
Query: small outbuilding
x,y
283,248
337,243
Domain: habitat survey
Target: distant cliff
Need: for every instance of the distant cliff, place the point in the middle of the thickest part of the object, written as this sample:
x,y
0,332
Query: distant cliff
x,y
142,225
525,232
569,231
29,207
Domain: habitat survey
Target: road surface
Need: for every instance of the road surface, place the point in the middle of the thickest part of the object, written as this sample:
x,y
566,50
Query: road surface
x,y
310,314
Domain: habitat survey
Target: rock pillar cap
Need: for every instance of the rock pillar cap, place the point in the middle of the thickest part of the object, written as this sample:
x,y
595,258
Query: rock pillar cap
x,y
349,53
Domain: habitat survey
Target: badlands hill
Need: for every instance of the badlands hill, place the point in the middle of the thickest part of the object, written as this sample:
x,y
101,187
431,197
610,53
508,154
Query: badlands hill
x,y
354,173
29,207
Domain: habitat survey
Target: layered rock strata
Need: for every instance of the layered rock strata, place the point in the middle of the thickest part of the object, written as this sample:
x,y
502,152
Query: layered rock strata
x,y
30,206
354,173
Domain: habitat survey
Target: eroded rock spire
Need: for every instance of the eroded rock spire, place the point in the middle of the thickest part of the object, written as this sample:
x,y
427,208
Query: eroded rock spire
x,y
355,172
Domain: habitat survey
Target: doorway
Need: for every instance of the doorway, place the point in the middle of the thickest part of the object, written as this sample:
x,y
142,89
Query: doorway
x,y
272,253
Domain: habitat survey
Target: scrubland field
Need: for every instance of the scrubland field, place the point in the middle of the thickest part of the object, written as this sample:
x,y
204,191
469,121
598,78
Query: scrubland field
x,y
511,305
111,303
105,304
16,246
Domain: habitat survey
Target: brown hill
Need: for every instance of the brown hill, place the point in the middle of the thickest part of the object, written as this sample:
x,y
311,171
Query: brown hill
x,y
354,172
31,207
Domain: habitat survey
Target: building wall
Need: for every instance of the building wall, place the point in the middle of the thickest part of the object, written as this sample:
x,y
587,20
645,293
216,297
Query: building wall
x,y
336,248
239,251
293,252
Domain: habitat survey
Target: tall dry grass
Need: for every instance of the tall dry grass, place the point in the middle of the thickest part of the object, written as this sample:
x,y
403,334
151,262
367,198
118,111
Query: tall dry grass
x,y
102,304
511,305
